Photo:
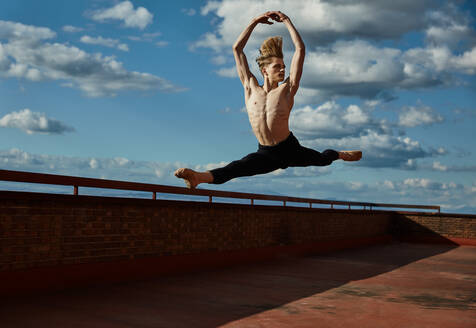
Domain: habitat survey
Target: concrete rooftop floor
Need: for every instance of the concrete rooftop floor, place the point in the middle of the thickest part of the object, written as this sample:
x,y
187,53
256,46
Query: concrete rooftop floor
x,y
391,285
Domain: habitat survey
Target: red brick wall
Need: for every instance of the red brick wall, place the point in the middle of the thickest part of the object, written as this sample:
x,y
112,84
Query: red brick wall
x,y
456,228
49,230
60,241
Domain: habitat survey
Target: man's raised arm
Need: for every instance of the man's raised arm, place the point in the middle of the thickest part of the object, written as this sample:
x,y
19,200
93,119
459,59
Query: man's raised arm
x,y
297,62
240,58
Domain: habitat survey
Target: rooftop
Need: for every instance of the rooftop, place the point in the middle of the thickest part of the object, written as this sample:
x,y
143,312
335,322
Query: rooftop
x,y
389,285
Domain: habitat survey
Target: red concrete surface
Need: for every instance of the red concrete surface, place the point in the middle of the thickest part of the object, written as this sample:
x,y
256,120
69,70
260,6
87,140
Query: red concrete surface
x,y
393,285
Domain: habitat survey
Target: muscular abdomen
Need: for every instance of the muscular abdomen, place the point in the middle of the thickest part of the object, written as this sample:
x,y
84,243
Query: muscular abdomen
x,y
269,115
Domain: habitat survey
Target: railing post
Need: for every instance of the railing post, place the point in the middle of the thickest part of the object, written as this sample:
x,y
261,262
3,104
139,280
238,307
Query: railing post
x,y
209,199
310,205
332,206
76,190
252,201
154,195
284,203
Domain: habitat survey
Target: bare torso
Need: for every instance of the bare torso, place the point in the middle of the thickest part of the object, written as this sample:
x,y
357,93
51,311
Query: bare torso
x,y
269,112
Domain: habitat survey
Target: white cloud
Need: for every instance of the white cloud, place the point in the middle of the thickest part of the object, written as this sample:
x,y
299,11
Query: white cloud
x,y
439,167
422,115
379,149
219,60
227,72
372,103
150,38
331,120
450,27
4,61
301,172
72,29
331,125
189,11
125,12
26,55
389,184
437,60
117,168
107,42
18,31
225,110
341,58
209,40
33,122
209,166
358,68
465,63
353,68
93,163
450,36
318,21
418,183
161,44
449,195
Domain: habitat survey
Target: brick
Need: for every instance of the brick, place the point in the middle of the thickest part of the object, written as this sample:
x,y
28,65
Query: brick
x,y
70,231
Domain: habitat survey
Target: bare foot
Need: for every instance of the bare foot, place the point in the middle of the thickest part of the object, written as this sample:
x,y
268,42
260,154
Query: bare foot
x,y
350,155
190,177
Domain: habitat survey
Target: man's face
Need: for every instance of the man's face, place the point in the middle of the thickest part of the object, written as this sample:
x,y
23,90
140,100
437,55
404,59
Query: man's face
x,y
275,70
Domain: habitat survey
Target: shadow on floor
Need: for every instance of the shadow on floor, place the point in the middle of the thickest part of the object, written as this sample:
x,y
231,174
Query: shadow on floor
x,y
211,299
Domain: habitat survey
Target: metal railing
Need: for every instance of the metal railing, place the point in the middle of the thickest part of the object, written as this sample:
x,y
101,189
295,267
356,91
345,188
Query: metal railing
x,y
76,182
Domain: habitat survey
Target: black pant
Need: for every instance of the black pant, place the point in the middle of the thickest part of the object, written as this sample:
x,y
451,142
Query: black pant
x,y
269,158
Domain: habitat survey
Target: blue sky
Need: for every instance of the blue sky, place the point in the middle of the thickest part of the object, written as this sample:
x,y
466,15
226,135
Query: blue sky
x,y
132,90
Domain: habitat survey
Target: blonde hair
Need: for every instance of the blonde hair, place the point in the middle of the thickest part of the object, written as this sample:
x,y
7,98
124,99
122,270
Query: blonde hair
x,y
271,47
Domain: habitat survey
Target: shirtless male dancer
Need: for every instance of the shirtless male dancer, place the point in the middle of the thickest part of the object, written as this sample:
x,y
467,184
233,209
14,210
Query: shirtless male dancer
x,y
269,107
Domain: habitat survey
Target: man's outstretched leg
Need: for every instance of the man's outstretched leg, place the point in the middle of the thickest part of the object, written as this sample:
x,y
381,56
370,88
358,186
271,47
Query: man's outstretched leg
x,y
259,162
193,178
258,166
299,156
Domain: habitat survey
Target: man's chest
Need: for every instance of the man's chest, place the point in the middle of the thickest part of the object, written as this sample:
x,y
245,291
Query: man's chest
x,y
275,102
